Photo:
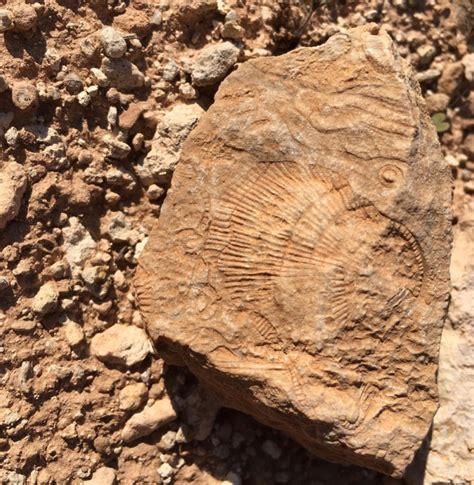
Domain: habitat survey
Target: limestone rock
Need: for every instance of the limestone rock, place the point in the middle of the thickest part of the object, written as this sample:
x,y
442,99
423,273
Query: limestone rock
x,y
121,344
73,333
113,43
300,265
451,455
12,187
6,22
25,17
24,95
151,418
122,74
212,65
171,132
46,300
78,245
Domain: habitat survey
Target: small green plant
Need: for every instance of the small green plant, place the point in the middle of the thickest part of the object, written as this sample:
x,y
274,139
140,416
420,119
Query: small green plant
x,y
440,122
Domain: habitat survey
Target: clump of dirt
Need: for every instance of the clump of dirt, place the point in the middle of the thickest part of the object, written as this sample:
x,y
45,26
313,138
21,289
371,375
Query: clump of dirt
x,y
96,99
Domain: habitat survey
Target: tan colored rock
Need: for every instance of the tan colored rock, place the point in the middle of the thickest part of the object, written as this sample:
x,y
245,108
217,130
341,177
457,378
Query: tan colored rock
x,y
300,265
133,396
73,333
121,344
13,183
451,455
46,300
24,95
102,476
150,419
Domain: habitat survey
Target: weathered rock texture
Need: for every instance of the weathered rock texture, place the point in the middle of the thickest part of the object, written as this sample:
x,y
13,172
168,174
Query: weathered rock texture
x,y
451,455
300,264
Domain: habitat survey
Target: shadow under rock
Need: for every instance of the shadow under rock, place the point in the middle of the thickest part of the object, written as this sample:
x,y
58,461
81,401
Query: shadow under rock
x,y
35,45
236,443
415,473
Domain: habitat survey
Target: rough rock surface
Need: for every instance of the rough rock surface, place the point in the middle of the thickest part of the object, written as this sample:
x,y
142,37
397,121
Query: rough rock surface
x,y
121,344
300,266
214,63
151,418
12,187
159,163
453,423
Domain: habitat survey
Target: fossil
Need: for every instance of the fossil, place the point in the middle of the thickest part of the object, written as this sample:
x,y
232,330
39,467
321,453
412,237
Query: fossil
x,y
300,264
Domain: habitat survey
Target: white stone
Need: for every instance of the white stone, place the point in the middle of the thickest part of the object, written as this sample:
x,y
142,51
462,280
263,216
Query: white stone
x,y
171,132
451,454
13,183
121,344
113,43
213,63
78,245
11,136
73,333
468,63
165,470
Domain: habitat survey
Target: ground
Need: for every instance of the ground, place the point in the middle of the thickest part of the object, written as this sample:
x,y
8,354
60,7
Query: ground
x,y
91,125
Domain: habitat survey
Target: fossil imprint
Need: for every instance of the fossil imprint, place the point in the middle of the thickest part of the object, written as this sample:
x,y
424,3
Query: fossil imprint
x,y
288,235
300,264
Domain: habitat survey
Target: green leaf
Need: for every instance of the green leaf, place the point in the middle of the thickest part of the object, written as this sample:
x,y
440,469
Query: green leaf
x,y
440,122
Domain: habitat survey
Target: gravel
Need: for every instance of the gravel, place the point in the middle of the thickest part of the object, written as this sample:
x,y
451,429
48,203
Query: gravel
x,y
67,205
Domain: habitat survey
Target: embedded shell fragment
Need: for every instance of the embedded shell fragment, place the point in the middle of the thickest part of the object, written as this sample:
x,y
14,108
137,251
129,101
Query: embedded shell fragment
x,y
300,264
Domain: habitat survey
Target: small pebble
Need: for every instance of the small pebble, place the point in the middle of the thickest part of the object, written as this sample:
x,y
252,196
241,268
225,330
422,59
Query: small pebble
x,y
73,333
121,344
102,476
99,77
156,19
154,192
73,83
113,43
133,396
213,63
166,470
271,449
11,136
83,98
24,95
170,71
23,326
117,149
151,418
46,300
24,17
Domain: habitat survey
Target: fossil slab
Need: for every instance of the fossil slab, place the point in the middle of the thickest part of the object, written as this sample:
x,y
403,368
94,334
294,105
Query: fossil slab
x,y
300,264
